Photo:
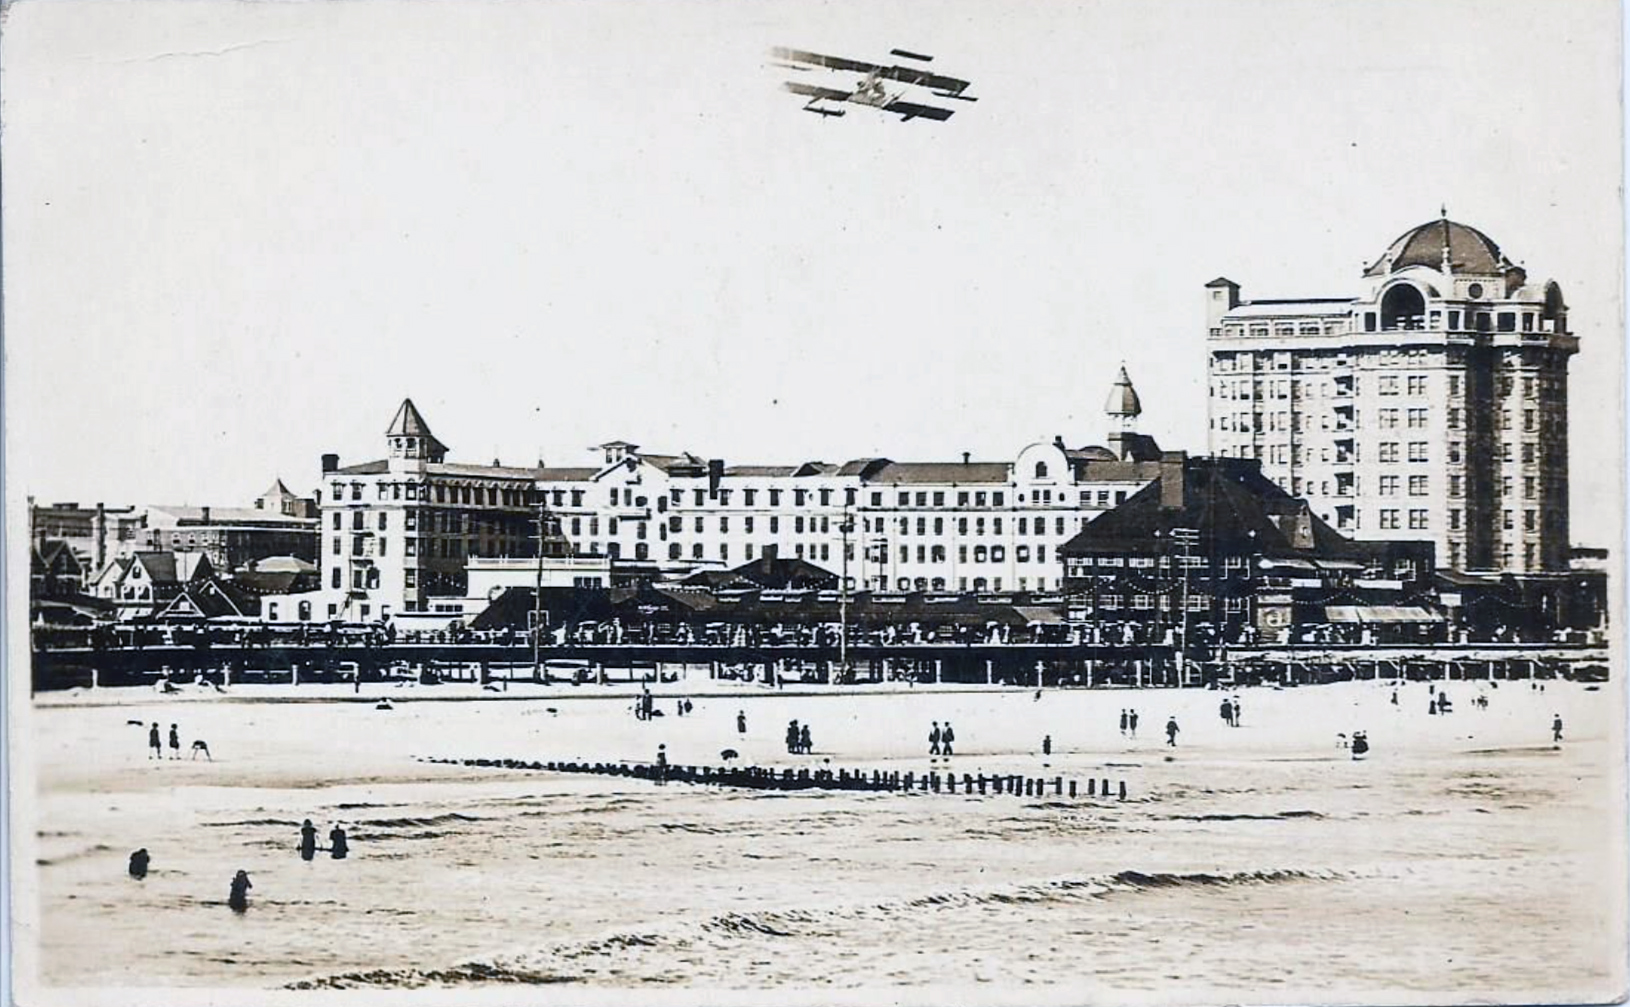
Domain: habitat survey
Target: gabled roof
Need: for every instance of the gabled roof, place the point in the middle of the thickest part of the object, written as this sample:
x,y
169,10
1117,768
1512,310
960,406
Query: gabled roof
x,y
205,599
772,572
174,567
1233,507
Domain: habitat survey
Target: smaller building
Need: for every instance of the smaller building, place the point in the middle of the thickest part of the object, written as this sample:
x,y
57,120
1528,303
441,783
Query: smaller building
x,y
1213,553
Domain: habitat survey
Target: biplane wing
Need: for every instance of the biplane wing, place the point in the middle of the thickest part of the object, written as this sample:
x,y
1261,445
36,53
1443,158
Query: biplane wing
x,y
814,91
903,74
910,110
830,62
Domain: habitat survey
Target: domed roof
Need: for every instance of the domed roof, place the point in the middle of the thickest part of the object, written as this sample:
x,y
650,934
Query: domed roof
x,y
1123,398
1470,250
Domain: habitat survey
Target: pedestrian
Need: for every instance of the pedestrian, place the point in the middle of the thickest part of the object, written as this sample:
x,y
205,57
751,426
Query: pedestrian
x,y
1132,724
175,742
1171,732
308,840
1226,711
1395,697
804,742
138,864
1047,744
741,722
1125,718
662,763
155,742
338,848
1556,729
239,899
947,736
792,737
934,739
1236,713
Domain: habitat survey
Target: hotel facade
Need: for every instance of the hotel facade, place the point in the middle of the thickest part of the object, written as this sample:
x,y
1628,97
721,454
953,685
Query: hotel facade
x,y
1433,406
409,536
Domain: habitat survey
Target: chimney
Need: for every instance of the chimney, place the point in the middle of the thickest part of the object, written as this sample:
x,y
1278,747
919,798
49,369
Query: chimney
x,y
715,473
1058,442
331,463
1173,491
965,456
204,513
101,535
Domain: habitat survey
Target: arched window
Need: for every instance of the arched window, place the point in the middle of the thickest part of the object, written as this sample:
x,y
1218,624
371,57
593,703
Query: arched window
x,y
305,611
1041,470
1403,307
921,583
938,583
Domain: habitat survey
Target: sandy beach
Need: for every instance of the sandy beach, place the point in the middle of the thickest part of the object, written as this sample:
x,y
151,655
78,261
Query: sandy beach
x,y
1465,858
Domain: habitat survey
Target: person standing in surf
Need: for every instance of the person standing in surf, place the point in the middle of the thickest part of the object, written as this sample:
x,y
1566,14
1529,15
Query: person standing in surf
x,y
239,899
338,848
308,840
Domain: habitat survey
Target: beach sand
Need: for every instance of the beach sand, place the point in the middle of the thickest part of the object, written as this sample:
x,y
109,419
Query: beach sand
x,y
1466,858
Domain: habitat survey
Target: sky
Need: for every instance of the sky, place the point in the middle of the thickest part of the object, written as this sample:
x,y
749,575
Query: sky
x,y
237,234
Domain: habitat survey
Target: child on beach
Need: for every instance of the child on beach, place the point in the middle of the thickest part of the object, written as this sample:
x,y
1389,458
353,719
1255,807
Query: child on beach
x,y
1171,732
175,742
155,742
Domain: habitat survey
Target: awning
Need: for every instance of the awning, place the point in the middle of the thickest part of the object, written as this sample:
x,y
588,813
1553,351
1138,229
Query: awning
x,y
1045,616
1369,614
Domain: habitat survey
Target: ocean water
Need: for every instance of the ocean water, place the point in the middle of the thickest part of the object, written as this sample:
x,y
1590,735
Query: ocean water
x,y
1477,862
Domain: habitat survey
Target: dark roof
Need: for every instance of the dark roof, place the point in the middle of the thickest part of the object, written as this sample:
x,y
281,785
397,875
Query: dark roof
x,y
363,468
1229,502
408,422
941,472
1222,281
1470,250
865,468
770,572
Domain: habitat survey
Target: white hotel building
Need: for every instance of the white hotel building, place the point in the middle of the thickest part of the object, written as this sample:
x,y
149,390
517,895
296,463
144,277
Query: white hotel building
x,y
1433,406
409,536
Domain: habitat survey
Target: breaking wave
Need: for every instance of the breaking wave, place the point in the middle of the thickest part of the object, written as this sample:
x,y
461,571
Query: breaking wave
x,y
560,964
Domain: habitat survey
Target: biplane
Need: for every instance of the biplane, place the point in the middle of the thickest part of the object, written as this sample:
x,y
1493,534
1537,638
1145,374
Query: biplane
x,y
871,91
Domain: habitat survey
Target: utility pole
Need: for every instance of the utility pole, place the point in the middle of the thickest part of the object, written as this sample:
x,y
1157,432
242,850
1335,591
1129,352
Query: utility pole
x,y
1187,538
845,525
537,597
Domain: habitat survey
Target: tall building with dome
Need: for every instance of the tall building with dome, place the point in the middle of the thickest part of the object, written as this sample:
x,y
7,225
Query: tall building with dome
x,y
1432,406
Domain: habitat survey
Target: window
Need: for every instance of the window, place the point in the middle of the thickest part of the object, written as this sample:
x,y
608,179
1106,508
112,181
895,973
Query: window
x,y
1041,470
1417,384
1387,451
1418,451
1417,486
1389,384
1021,554
336,520
1454,519
1389,519
1389,486
997,554
1388,418
1417,520
996,500
1454,486
337,575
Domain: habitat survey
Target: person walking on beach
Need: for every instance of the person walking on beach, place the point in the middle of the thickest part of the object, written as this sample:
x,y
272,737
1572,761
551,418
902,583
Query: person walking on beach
x,y
1226,711
741,722
338,848
138,864
308,840
662,763
155,742
934,739
1124,720
1235,721
792,737
804,741
1556,729
175,742
947,736
1171,732
239,899
1132,723
1047,744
